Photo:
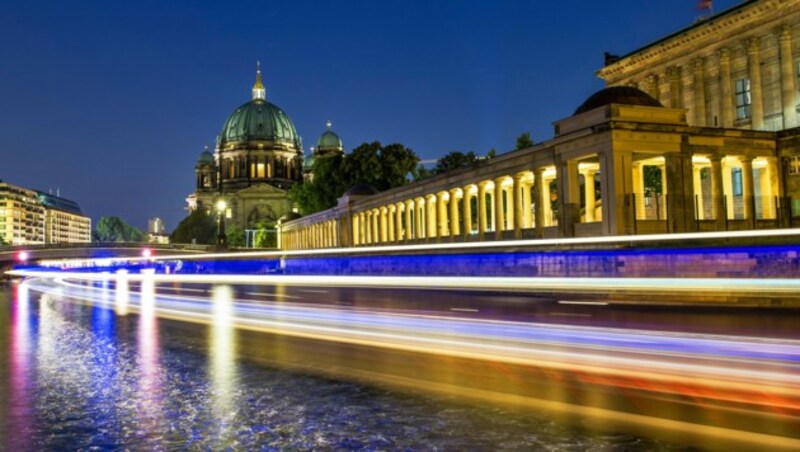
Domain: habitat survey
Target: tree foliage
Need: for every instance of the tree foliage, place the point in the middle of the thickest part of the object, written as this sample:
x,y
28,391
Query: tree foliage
x,y
456,160
524,141
3,241
115,229
383,167
199,227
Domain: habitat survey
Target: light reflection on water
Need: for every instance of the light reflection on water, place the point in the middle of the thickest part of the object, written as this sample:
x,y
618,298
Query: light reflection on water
x,y
84,377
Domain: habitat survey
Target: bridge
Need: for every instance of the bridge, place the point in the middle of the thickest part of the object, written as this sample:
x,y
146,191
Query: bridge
x,y
11,255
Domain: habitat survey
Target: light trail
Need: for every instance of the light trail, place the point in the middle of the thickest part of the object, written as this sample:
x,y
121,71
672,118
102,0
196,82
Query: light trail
x,y
783,287
727,374
678,238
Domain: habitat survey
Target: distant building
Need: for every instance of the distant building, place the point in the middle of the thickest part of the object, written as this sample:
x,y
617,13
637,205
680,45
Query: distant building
x,y
30,217
257,159
156,231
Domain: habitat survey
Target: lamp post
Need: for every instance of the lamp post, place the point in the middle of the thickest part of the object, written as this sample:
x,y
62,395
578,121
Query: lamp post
x,y
222,207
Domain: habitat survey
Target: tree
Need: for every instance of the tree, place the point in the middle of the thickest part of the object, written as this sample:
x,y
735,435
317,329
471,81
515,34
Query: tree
x,y
456,160
234,236
115,229
3,241
652,180
383,167
491,154
199,227
524,141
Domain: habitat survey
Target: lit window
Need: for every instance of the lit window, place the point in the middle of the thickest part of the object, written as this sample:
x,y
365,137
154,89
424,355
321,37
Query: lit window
x,y
743,98
736,181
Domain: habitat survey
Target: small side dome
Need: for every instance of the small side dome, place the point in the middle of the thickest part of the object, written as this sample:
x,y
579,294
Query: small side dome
x,y
308,162
289,217
626,95
206,158
329,141
361,189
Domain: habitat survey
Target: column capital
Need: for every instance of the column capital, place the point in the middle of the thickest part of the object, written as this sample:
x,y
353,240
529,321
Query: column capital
x,y
539,171
673,72
500,180
698,64
482,184
454,191
753,45
724,55
384,209
744,159
784,33
588,172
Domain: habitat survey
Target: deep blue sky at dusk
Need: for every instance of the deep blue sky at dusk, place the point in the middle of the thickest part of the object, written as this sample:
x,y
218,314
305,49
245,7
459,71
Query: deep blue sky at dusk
x,y
112,102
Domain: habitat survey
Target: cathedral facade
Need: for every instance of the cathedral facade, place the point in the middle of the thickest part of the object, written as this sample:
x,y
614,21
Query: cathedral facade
x,y
257,159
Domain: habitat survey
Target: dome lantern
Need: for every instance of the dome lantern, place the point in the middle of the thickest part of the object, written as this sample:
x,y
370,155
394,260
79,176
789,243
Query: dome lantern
x,y
259,92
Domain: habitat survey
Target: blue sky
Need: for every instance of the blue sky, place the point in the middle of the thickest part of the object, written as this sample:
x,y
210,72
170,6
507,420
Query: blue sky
x,y
112,102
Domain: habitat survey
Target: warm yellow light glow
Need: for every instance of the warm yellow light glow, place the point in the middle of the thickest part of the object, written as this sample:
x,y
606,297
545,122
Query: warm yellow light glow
x,y
221,205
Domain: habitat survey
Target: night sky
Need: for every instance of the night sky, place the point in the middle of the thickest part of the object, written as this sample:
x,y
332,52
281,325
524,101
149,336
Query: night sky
x,y
112,102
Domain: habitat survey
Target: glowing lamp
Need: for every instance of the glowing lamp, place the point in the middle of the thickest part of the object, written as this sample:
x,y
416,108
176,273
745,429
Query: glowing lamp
x,y
221,205
147,252
23,256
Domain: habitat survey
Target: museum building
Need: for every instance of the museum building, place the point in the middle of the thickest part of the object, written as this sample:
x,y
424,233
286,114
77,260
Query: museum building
x,y
697,131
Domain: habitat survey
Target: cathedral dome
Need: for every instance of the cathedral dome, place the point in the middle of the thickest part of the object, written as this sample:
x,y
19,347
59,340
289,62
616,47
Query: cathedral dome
x,y
259,120
329,141
626,95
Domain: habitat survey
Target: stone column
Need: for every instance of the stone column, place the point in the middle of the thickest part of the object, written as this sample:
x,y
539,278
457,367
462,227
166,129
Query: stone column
x,y
519,213
419,214
467,200
444,229
499,209
391,220
725,89
387,226
482,223
527,215
538,194
589,194
717,192
674,75
788,91
398,216
547,205
699,92
756,92
455,222
430,212
410,232
747,187
652,86
569,197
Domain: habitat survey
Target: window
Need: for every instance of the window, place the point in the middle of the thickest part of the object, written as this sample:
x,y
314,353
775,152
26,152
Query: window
x,y
743,98
736,181
794,165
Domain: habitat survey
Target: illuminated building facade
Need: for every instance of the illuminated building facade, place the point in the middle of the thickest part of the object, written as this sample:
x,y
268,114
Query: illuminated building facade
x,y
695,132
30,217
257,159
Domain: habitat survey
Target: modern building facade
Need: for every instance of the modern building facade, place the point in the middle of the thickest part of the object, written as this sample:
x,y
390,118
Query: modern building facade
x,y
30,217
689,151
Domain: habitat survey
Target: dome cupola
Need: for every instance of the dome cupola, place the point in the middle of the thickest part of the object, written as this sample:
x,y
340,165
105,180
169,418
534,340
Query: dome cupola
x,y
329,141
625,95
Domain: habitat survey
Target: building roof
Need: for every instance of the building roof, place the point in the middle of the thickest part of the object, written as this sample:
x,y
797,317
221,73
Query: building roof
x,y
59,203
696,24
626,95
205,158
259,120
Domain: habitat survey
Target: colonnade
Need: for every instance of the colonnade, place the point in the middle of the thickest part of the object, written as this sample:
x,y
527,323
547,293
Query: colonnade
x,y
313,236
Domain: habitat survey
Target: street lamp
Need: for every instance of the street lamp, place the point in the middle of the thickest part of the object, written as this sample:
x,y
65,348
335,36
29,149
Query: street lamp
x,y
222,208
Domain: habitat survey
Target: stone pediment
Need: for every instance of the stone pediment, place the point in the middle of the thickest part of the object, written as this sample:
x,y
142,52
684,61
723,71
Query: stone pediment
x,y
261,189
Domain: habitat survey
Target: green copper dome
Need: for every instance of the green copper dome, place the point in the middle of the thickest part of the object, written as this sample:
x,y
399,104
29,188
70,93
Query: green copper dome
x,y
205,158
329,140
259,120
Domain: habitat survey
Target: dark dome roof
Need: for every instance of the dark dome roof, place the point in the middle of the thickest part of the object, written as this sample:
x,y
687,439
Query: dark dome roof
x,y
361,189
626,95
205,158
259,120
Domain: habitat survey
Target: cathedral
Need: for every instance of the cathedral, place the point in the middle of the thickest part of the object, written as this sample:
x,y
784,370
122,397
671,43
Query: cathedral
x,y
257,159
